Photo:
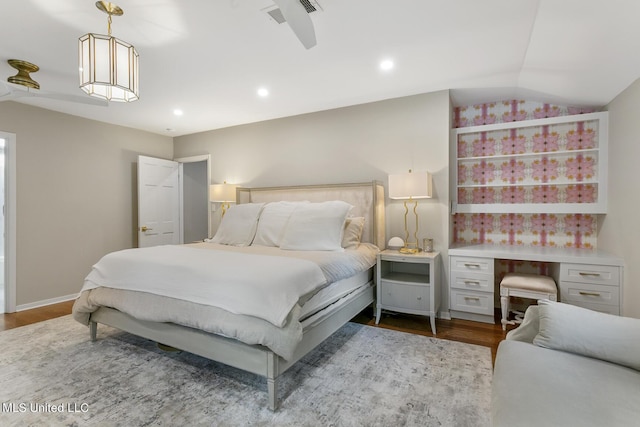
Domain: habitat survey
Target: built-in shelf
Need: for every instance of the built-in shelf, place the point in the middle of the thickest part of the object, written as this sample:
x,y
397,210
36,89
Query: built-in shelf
x,y
551,165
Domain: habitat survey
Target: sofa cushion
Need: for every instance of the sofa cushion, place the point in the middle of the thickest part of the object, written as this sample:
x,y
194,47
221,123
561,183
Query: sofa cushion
x,y
535,386
589,333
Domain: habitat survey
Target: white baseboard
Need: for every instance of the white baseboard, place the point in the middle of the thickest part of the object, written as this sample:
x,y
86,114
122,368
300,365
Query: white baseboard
x,y
43,303
444,315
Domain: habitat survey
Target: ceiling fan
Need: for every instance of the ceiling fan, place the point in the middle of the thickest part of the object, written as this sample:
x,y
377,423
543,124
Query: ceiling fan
x,y
295,12
13,89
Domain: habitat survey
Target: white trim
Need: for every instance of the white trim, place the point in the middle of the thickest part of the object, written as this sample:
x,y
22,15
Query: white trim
x,y
9,222
46,302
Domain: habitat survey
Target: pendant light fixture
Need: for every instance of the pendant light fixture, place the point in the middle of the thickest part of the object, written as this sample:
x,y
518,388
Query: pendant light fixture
x,y
108,66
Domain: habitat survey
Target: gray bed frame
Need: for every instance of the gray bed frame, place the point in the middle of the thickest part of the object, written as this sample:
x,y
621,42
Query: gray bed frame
x,y
368,201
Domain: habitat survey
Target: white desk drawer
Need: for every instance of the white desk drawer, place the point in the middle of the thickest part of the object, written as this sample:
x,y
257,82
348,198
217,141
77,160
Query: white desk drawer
x,y
472,264
596,274
472,281
401,296
472,302
572,292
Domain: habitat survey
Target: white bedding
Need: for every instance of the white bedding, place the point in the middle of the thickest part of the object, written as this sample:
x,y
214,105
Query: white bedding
x,y
334,266
266,287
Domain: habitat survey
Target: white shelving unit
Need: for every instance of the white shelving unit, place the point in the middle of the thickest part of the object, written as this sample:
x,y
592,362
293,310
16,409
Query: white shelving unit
x,y
481,187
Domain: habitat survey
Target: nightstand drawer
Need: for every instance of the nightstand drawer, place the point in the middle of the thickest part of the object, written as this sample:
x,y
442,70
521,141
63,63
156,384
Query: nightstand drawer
x,y
596,274
404,297
471,264
578,293
472,281
472,302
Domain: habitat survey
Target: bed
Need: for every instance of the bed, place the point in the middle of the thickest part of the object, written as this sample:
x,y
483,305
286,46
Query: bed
x,y
268,338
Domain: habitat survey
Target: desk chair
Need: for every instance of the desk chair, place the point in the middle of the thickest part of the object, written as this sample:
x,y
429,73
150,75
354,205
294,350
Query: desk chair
x,y
524,285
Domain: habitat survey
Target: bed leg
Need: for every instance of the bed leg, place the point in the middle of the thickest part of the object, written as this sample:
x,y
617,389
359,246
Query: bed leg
x,y
272,380
272,386
93,330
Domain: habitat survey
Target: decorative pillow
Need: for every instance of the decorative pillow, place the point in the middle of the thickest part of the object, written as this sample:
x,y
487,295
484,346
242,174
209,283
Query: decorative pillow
x,y
272,222
589,333
238,225
352,232
316,227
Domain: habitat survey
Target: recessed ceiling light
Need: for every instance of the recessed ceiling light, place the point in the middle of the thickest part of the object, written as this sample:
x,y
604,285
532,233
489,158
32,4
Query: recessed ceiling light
x,y
178,112
263,92
386,65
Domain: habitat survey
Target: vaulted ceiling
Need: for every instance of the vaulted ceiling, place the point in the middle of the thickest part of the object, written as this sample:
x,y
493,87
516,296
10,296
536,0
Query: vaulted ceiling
x,y
208,58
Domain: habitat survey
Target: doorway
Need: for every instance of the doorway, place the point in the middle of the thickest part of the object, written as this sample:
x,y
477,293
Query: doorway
x,y
2,246
8,221
195,201
173,200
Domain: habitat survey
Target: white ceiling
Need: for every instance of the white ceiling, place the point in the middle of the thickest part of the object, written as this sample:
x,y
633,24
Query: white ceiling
x,y
209,57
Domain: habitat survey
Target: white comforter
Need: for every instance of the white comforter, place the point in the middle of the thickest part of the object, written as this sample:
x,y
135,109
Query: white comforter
x,y
206,316
267,287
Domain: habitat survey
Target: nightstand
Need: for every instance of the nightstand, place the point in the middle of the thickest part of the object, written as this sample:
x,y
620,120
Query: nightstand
x,y
408,283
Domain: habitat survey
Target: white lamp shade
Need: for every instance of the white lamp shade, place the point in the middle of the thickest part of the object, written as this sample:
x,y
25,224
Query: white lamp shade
x,y
225,193
412,185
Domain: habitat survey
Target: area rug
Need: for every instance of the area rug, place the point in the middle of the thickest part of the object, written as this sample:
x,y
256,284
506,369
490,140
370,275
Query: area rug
x,y
52,374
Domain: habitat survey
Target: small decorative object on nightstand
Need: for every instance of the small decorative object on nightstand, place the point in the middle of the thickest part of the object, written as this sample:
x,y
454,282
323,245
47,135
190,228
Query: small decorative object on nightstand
x,y
408,283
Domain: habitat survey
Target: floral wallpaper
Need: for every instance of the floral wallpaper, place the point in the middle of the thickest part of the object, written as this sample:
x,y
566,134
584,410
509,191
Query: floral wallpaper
x,y
562,177
571,231
567,175
511,111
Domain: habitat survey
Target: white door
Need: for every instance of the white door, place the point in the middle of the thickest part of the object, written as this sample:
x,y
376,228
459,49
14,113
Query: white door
x,y
158,202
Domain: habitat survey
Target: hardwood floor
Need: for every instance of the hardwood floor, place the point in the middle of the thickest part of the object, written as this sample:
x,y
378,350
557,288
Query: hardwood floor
x,y
483,334
27,317
457,330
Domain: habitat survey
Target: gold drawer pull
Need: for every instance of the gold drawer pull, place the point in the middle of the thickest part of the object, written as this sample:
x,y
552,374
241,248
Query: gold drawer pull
x,y
471,282
472,298
586,273
589,294
466,264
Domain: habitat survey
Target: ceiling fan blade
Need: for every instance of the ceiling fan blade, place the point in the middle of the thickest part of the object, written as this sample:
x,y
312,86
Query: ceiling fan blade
x,y
299,21
78,99
13,92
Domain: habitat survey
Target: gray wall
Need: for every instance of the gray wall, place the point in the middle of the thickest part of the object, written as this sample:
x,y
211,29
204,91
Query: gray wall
x,y
619,232
353,144
76,178
76,196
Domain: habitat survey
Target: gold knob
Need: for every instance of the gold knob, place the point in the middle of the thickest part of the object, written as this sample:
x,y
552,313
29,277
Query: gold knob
x,y
144,228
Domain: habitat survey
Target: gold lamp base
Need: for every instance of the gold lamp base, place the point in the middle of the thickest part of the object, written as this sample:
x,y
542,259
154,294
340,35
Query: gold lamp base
x,y
410,247
407,250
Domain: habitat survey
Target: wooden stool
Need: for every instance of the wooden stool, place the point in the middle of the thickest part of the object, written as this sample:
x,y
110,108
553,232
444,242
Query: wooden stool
x,y
524,285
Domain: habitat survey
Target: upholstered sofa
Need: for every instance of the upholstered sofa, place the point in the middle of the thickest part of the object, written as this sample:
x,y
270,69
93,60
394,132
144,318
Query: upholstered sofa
x,y
568,366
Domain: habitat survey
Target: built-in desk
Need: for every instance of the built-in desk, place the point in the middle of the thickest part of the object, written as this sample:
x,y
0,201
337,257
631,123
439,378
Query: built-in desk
x,y
591,279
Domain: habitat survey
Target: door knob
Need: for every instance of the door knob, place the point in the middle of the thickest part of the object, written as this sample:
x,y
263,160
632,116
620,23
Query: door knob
x,y
144,228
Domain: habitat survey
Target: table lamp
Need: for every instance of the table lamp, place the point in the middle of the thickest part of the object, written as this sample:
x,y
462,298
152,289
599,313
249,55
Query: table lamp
x,y
223,193
410,187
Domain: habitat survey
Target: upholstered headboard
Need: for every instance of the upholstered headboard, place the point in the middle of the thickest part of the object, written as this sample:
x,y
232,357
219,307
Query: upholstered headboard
x,y
367,200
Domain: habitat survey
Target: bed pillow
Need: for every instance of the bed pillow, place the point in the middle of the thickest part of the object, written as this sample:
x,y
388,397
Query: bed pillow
x,y
272,222
589,333
352,232
316,227
238,225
